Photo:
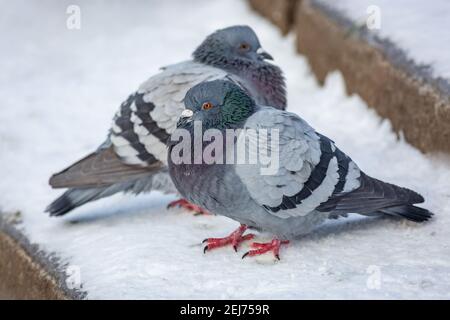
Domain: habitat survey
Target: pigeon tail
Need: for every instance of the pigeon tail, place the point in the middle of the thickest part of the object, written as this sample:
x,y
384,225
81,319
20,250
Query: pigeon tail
x,y
74,198
409,212
375,197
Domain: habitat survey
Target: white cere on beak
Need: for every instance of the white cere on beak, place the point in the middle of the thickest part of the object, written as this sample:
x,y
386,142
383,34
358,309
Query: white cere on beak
x,y
187,113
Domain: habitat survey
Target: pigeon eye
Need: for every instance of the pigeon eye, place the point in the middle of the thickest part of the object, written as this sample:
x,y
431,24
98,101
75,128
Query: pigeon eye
x,y
207,106
244,46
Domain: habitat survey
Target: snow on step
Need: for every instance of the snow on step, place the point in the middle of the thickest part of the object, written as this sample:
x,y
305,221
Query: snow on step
x,y
418,27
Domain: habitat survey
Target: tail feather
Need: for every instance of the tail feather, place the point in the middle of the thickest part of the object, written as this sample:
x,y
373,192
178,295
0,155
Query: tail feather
x,y
76,197
374,197
410,212
60,206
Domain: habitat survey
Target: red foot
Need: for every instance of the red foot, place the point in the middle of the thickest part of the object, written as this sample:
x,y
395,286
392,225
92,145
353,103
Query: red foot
x,y
183,203
262,248
234,239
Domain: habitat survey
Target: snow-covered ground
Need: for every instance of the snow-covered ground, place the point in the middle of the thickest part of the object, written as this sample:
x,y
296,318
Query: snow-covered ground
x,y
59,89
418,27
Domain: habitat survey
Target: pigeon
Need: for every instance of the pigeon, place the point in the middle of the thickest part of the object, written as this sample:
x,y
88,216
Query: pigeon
x,y
313,181
133,157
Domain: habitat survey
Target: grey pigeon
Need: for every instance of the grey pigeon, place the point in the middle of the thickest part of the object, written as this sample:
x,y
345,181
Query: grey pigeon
x,y
313,182
133,157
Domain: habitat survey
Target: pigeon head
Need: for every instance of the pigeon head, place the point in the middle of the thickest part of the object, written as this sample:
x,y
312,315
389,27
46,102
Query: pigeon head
x,y
232,47
237,50
217,104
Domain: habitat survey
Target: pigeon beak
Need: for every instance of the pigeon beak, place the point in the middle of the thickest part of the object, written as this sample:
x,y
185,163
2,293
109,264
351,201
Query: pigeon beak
x,y
187,113
263,54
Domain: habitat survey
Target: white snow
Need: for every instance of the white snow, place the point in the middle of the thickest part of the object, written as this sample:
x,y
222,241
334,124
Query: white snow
x,y
416,26
59,89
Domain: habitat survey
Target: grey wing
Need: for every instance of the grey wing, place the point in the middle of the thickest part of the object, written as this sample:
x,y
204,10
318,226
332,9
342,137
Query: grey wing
x,y
146,119
99,169
311,169
136,144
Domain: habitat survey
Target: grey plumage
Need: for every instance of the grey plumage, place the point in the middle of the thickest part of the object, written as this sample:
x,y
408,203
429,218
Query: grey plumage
x,y
314,181
135,149
75,197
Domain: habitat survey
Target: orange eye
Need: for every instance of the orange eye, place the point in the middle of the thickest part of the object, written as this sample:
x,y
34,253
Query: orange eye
x,y
244,46
207,106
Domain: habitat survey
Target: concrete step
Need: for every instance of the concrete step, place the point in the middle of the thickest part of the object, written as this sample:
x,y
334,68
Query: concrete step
x,y
26,272
412,96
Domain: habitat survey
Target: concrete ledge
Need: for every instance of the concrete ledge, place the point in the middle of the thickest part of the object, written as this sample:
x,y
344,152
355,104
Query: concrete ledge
x,y
280,12
416,102
27,272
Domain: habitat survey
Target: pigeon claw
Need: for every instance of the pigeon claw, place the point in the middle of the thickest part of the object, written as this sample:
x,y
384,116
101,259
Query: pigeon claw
x,y
261,248
234,239
183,203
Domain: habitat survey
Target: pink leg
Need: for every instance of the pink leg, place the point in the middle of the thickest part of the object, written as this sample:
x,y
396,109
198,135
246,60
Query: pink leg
x,y
261,248
234,239
183,203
